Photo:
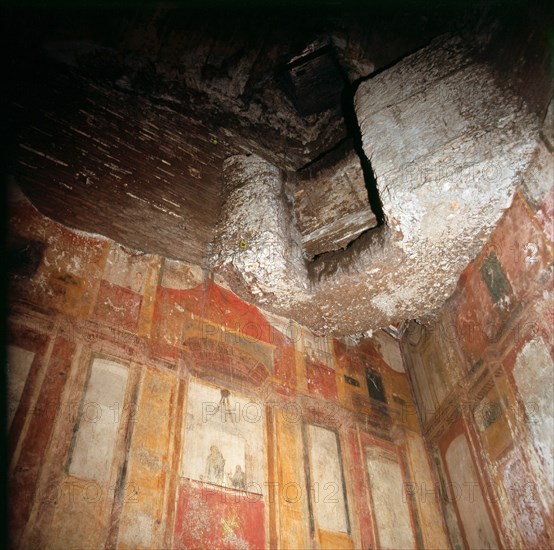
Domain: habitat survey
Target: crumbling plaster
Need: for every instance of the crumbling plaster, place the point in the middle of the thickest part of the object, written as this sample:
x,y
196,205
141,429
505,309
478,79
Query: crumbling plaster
x,y
448,147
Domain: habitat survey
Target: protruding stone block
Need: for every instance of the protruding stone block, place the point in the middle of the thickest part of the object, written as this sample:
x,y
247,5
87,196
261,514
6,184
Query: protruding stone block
x,y
257,243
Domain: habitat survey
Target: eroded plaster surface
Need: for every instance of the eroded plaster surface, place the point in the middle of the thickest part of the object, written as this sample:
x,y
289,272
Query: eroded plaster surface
x,y
467,494
19,365
533,375
100,410
392,515
448,146
191,420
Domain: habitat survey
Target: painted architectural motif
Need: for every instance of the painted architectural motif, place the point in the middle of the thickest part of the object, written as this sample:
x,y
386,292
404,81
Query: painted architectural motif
x,y
173,414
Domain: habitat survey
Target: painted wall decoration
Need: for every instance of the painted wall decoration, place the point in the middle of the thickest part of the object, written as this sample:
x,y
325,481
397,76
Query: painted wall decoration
x,y
467,495
389,350
495,279
207,519
375,385
193,460
19,365
220,501
326,480
492,422
494,335
522,494
224,439
99,420
424,395
533,372
390,506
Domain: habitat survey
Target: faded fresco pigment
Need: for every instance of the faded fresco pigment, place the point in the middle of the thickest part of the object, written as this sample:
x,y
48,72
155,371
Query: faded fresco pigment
x,y
281,283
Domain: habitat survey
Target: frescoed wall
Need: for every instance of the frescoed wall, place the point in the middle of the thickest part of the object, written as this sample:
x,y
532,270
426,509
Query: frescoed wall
x,y
391,507
482,371
152,408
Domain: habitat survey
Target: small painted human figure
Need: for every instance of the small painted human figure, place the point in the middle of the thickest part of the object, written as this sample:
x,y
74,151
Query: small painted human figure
x,y
215,464
238,479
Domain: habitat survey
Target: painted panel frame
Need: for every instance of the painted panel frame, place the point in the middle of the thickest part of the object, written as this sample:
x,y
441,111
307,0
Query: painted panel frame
x,y
329,489
222,469
456,431
372,444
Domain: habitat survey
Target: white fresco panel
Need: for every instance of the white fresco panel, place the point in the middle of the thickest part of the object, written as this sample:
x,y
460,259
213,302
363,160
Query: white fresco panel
x,y
224,440
326,480
468,496
99,421
19,365
390,506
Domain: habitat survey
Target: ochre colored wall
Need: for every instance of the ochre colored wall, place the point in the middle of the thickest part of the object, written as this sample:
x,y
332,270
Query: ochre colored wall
x,y
482,373
84,309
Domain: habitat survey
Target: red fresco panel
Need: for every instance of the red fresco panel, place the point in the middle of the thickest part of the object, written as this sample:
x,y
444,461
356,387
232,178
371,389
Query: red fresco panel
x,y
118,306
360,492
24,479
209,518
222,307
321,380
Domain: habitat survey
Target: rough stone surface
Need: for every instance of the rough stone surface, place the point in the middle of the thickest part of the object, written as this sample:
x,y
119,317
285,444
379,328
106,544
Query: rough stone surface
x,y
448,148
256,237
331,203
121,118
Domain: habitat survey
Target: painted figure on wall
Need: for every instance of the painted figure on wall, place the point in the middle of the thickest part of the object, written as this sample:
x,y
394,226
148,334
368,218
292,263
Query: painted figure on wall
x,y
215,464
217,450
238,479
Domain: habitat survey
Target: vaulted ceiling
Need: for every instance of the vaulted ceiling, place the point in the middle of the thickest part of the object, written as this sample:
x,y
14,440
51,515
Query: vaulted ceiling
x,y
123,118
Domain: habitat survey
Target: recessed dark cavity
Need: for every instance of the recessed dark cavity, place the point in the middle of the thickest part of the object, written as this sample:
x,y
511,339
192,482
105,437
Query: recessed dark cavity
x,y
313,78
24,257
353,129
